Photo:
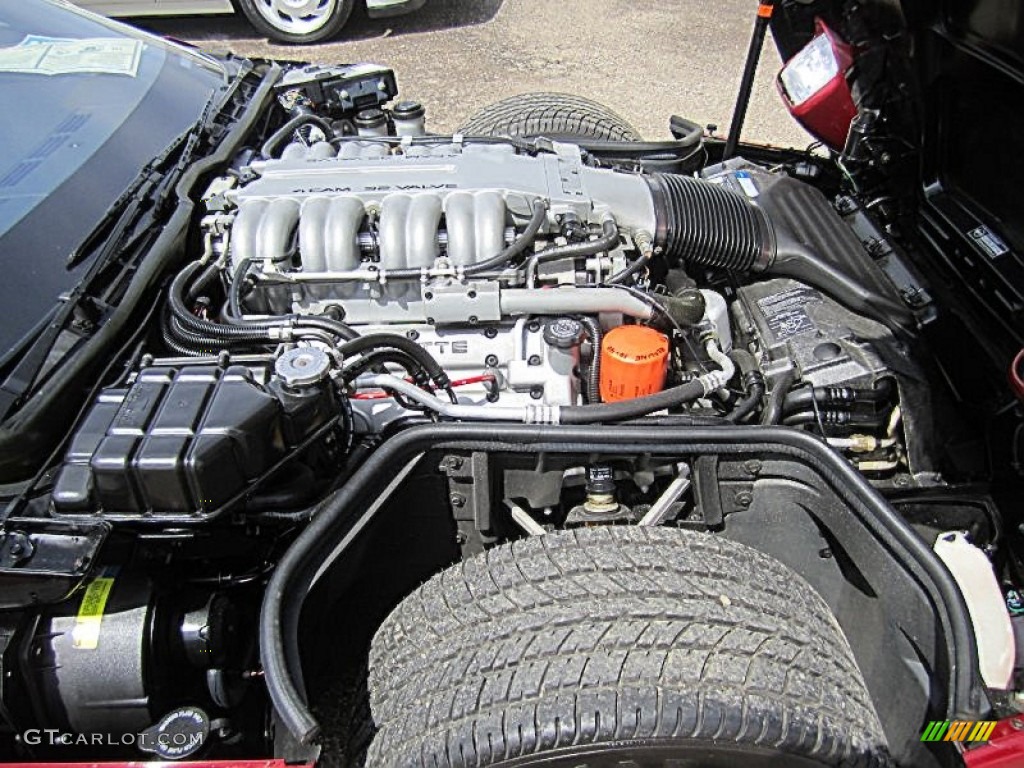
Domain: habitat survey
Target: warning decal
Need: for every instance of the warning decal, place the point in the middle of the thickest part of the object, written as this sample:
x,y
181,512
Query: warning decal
x,y
785,312
86,633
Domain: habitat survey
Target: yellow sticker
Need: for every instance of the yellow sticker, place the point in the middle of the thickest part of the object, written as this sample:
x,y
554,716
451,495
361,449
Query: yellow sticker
x,y
86,633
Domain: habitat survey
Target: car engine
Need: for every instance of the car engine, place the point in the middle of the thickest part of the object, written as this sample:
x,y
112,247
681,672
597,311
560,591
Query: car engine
x,y
350,278
508,283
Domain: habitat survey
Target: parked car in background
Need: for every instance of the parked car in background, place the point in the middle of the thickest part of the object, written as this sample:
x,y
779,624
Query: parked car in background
x,y
289,21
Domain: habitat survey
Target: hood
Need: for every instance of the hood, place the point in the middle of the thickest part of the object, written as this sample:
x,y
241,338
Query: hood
x,y
947,80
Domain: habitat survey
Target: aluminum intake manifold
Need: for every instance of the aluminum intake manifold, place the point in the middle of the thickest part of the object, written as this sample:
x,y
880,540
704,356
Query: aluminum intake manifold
x,y
402,208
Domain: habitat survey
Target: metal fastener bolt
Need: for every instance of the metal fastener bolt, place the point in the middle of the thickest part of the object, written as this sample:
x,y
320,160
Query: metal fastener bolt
x,y
744,499
457,500
533,326
491,333
491,361
412,335
537,393
534,360
752,467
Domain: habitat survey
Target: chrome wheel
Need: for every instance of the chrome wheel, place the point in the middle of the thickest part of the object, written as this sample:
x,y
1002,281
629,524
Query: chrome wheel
x,y
297,17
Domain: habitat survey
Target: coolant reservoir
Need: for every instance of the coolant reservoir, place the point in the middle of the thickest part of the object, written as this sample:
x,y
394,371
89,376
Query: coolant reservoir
x,y
634,361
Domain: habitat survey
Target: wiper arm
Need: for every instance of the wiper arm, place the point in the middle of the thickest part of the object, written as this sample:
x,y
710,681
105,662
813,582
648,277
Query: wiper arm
x,y
27,338
128,207
129,220
153,186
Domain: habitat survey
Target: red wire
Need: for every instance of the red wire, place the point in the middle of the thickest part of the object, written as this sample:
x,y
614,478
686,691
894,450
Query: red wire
x,y
380,395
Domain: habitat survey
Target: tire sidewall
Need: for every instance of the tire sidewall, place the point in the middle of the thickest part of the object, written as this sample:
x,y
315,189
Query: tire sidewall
x,y
331,28
661,754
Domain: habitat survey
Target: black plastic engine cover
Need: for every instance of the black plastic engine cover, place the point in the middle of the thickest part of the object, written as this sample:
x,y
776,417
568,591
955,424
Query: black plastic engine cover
x,y
182,441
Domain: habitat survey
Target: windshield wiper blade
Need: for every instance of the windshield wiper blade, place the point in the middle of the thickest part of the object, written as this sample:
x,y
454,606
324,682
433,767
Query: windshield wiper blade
x,y
124,226
19,381
155,181
128,206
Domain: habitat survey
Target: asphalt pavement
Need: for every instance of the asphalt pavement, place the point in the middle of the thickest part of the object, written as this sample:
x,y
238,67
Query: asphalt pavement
x,y
647,59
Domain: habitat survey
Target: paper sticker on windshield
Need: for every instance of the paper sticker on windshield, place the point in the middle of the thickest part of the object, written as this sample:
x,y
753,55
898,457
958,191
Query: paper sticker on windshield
x,y
988,241
44,40
100,55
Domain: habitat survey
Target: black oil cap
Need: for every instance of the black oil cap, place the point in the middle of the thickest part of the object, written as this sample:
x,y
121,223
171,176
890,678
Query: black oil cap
x,y
563,333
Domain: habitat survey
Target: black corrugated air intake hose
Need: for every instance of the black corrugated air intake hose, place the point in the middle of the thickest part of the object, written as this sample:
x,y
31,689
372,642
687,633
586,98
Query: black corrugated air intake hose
x,y
707,225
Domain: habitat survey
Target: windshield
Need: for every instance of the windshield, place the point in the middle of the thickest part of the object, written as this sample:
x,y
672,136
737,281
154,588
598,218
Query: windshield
x,y
87,104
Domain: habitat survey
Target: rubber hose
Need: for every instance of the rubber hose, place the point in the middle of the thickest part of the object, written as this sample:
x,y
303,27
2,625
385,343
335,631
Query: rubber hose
x,y
622,276
209,274
594,372
257,331
608,240
834,418
285,132
688,134
383,357
234,313
242,331
688,419
751,375
836,397
750,401
408,346
201,341
745,362
773,408
172,343
520,244
632,409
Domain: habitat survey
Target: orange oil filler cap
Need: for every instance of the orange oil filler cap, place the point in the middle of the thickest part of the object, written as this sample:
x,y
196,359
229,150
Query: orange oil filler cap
x,y
634,361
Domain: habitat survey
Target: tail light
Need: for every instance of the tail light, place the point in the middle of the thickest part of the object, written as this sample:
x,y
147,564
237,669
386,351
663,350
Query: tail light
x,y
813,85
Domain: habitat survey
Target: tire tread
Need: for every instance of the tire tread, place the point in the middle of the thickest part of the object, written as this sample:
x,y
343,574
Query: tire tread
x,y
613,634
549,114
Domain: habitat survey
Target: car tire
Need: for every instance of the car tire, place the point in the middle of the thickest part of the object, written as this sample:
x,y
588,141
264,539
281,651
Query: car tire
x,y
552,115
283,20
618,646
